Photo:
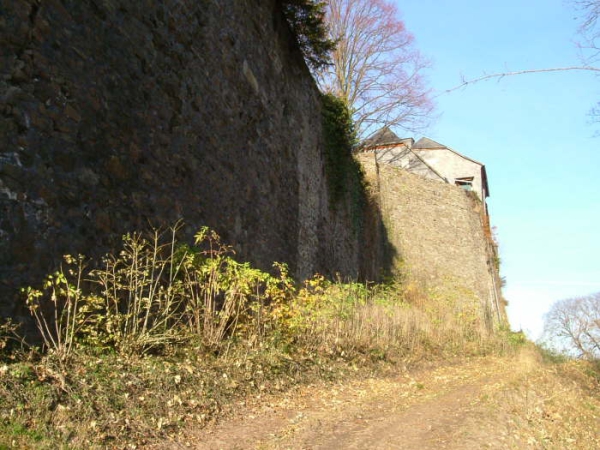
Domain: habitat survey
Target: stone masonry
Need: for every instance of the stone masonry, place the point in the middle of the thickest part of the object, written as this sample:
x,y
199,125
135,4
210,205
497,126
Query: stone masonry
x,y
119,116
438,231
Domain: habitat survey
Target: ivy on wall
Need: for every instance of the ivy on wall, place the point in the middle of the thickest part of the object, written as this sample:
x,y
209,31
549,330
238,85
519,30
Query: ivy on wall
x,y
345,176
338,129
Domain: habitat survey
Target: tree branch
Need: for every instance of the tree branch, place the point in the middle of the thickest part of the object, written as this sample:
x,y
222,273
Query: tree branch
x,y
501,75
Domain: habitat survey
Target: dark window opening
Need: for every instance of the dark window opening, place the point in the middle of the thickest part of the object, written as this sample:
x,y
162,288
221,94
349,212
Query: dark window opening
x,y
466,183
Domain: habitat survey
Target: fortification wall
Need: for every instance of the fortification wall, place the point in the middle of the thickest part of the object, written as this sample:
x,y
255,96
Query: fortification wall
x,y
438,231
120,115
117,116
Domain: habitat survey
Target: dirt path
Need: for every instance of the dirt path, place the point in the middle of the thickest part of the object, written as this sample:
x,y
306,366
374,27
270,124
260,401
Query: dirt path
x,y
431,409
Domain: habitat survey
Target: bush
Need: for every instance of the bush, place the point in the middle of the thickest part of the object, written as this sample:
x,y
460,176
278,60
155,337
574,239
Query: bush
x,y
60,308
157,292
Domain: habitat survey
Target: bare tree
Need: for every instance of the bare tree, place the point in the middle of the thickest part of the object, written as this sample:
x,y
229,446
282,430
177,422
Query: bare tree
x,y
573,325
588,28
376,68
591,34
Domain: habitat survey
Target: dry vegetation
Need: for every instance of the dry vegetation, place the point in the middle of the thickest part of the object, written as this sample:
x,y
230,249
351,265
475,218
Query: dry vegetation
x,y
515,401
167,336
546,403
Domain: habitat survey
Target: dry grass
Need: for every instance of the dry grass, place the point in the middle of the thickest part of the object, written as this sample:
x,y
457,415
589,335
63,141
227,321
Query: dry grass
x,y
174,334
396,320
544,405
112,401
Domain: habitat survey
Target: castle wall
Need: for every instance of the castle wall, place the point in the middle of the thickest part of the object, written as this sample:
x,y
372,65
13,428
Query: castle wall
x,y
438,231
119,115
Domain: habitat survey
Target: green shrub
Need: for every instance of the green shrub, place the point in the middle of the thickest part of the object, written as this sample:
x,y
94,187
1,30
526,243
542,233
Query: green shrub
x,y
59,308
157,292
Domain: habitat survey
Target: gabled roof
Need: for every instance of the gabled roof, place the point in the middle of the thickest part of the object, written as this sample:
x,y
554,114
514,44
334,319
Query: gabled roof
x,y
426,143
429,144
385,136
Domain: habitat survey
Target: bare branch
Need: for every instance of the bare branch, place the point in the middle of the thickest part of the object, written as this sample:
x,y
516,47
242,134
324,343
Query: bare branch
x,y
501,75
589,30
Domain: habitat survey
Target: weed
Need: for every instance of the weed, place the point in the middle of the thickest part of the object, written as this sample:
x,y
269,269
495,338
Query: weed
x,y
56,308
167,334
9,337
142,295
551,355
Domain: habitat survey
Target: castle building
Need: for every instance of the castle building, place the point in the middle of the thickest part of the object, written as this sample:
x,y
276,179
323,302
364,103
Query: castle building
x,y
429,159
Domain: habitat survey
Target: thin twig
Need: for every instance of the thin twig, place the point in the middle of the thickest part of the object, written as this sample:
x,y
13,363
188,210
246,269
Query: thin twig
x,y
500,75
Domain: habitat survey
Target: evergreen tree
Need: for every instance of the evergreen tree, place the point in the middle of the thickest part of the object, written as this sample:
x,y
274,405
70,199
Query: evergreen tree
x,y
307,20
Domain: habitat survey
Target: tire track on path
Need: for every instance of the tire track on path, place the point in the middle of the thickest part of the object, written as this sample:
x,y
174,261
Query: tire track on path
x,y
425,409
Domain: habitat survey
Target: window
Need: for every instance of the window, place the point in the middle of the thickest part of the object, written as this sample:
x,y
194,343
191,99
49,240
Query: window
x,y
466,183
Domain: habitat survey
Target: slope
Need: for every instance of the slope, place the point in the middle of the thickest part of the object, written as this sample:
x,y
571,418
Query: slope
x,y
487,402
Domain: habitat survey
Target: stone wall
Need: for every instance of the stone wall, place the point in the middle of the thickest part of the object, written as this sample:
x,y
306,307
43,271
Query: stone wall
x,y
119,115
439,231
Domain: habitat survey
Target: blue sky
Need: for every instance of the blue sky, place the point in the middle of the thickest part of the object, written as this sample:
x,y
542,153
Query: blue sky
x,y
533,133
